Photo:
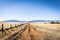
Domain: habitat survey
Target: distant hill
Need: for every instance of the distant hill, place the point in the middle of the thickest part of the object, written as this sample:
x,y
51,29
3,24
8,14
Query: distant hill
x,y
40,21
44,20
31,21
13,21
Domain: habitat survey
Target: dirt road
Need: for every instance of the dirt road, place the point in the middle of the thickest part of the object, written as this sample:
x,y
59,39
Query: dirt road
x,y
30,33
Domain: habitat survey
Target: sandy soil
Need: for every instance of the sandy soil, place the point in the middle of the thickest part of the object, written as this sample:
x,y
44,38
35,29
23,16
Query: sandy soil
x,y
30,33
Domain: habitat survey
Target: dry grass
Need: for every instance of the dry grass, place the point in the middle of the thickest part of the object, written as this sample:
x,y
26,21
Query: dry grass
x,y
7,24
51,31
37,31
47,25
10,31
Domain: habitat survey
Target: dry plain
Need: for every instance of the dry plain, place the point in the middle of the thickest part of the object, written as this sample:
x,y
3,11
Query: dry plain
x,y
50,31
10,31
34,31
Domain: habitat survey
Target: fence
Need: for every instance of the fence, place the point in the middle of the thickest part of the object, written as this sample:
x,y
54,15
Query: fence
x,y
11,27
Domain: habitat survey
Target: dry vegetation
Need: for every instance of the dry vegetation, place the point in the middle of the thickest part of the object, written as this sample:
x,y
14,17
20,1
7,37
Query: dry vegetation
x,y
7,24
33,31
10,31
51,31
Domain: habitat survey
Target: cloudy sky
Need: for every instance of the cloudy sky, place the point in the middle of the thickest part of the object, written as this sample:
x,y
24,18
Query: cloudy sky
x,y
29,10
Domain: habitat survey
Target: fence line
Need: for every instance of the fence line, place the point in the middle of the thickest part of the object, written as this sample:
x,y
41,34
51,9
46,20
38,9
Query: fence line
x,y
11,27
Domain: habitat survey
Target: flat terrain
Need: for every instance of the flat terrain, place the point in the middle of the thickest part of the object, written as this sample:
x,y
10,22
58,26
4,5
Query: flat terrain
x,y
29,33
7,24
51,31
35,31
9,31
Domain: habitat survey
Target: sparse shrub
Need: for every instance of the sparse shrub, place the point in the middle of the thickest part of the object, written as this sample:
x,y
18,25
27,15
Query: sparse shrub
x,y
52,22
57,22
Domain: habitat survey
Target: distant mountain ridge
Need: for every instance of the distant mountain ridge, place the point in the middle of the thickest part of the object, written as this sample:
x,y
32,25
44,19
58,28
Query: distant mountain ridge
x,y
40,20
43,20
31,21
13,21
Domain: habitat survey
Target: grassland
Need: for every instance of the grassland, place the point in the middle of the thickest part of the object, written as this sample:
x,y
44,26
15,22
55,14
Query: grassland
x,y
11,31
32,31
50,31
7,24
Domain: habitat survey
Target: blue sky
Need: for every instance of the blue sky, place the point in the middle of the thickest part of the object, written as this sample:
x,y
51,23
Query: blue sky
x,y
29,10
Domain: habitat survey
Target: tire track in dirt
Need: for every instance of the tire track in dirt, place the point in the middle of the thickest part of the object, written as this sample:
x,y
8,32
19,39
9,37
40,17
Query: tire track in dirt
x,y
29,33
15,34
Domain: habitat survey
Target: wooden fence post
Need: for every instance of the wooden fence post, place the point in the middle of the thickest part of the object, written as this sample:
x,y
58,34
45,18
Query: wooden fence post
x,y
2,29
11,26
